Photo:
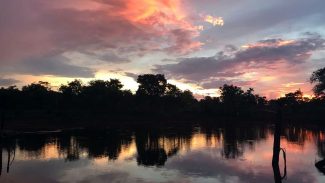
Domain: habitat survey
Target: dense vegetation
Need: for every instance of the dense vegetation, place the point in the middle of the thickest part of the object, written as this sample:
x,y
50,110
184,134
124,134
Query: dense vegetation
x,y
154,98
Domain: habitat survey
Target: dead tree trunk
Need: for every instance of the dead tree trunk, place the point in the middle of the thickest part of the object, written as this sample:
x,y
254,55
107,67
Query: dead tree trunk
x,y
8,161
277,138
276,150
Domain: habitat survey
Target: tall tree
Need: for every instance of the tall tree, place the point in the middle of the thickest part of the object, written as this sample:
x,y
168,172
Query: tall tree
x,y
172,91
38,94
74,88
151,85
231,94
101,94
318,77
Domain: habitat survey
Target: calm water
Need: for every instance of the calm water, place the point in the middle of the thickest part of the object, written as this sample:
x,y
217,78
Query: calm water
x,y
171,154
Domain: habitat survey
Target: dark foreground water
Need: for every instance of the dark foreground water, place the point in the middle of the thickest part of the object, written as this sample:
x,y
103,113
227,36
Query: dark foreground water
x,y
163,154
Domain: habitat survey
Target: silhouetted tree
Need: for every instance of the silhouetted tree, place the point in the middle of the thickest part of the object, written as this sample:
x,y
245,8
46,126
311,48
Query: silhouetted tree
x,y
291,99
261,101
249,97
100,94
101,88
154,97
231,97
293,102
38,95
172,91
73,88
151,85
231,94
188,101
210,105
9,97
318,77
37,88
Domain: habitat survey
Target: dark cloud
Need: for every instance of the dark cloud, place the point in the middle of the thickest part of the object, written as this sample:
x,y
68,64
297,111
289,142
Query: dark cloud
x,y
131,75
230,48
183,42
112,58
56,66
216,83
8,81
55,31
265,54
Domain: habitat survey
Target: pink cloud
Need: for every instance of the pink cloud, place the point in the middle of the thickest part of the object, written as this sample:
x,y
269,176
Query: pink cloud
x,y
37,28
266,65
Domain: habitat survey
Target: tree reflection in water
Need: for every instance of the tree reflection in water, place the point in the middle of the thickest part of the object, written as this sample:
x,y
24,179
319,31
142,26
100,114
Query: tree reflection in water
x,y
154,146
320,165
8,145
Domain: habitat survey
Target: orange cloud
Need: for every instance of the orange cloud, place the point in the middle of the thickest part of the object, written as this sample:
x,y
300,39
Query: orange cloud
x,y
133,26
162,15
166,18
215,21
270,43
139,10
292,84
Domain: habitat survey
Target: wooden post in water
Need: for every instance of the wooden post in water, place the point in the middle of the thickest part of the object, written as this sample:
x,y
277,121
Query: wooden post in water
x,y
277,149
277,138
8,161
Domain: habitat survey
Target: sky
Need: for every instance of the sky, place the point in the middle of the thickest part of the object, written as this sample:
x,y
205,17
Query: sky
x,y
271,46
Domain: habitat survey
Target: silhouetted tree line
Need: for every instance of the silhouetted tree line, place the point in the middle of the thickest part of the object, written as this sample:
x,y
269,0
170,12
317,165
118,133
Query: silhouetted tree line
x,y
154,97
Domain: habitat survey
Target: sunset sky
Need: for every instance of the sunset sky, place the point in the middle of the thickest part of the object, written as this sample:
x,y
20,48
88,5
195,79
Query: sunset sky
x,y
272,46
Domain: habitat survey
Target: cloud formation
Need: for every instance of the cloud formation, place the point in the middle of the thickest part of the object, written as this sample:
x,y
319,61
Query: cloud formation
x,y
7,81
245,21
81,38
132,75
53,66
263,57
215,83
126,26
215,21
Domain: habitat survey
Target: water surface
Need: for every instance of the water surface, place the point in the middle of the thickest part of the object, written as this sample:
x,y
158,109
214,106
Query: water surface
x,y
163,154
